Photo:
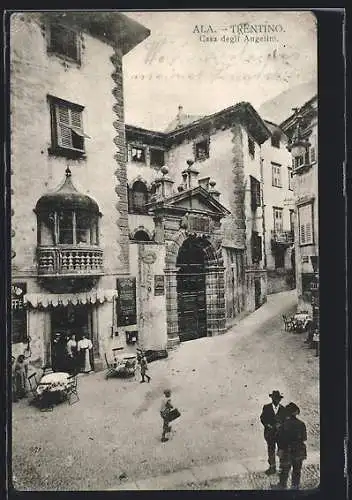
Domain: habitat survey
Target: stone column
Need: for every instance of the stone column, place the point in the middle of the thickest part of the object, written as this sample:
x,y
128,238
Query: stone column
x,y
215,300
173,338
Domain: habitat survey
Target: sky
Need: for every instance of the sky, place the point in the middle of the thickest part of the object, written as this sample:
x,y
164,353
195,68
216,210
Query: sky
x,y
203,61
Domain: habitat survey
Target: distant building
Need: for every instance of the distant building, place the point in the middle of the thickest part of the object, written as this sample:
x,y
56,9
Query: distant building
x,y
278,216
69,200
302,129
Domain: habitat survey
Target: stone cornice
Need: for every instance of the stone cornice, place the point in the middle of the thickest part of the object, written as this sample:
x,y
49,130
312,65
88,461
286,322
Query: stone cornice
x,y
242,112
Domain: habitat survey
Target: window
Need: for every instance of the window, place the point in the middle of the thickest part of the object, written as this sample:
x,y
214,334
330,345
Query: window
x,y
290,178
313,157
275,139
67,133
202,150
18,312
256,247
276,174
64,41
138,198
251,147
138,154
66,228
157,157
305,221
255,193
141,235
278,227
297,162
292,221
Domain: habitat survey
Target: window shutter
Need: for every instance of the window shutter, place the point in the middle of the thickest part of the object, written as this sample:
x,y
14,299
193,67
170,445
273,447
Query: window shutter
x,y
312,154
64,134
308,232
76,119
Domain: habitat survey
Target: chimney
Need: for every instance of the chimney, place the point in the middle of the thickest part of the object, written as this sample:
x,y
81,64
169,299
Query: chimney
x,y
178,116
214,192
164,184
190,175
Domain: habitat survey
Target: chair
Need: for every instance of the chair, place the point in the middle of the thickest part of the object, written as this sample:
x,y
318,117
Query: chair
x,y
33,384
285,320
47,369
72,389
110,367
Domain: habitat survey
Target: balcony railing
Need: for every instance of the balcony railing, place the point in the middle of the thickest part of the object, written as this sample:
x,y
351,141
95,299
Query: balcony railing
x,y
282,237
69,260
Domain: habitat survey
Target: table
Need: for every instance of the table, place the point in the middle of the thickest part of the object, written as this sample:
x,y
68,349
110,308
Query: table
x,y
301,320
53,382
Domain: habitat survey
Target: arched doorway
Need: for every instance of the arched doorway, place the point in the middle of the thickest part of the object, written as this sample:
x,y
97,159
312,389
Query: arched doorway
x,y
191,285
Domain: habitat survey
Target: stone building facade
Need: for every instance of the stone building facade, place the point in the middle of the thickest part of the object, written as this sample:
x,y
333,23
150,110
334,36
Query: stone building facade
x,y
69,199
225,158
302,129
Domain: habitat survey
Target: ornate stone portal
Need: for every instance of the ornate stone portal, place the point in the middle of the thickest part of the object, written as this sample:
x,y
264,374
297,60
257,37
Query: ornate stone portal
x,y
192,218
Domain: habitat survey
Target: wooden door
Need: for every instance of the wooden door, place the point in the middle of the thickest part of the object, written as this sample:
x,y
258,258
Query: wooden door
x,y
191,306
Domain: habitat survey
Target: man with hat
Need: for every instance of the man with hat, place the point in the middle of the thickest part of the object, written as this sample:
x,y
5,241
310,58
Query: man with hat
x,y
291,438
272,417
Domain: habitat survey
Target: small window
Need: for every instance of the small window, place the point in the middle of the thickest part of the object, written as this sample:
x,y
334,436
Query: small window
x,y
67,133
251,147
202,150
256,247
141,235
275,140
290,178
278,225
305,219
138,154
298,161
65,220
157,157
64,41
18,312
276,174
138,198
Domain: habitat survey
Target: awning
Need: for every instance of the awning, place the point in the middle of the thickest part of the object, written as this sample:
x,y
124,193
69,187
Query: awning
x,y
63,299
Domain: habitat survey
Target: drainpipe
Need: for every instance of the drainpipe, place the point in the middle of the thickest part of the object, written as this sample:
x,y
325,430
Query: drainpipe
x,y
263,209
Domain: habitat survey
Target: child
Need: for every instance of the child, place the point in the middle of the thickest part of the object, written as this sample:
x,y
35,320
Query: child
x,y
144,368
166,406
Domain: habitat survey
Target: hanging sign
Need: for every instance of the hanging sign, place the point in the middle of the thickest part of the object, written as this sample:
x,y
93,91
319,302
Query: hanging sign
x,y
126,305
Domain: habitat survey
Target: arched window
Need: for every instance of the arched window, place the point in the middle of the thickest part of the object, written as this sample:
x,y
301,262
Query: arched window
x,y
138,198
141,235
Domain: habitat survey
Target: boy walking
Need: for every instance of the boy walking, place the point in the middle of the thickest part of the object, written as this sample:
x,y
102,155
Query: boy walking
x,y
166,406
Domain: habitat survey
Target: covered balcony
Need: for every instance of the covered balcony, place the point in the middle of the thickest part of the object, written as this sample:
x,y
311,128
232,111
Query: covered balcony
x,y
68,233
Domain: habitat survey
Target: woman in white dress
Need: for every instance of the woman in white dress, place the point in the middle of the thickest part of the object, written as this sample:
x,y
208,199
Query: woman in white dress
x,y
83,347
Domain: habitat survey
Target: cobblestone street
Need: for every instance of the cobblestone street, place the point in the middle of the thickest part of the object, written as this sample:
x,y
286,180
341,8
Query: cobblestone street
x,y
112,435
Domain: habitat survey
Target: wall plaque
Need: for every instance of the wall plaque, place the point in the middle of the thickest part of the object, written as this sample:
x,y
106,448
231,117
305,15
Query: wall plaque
x,y
159,288
126,306
198,223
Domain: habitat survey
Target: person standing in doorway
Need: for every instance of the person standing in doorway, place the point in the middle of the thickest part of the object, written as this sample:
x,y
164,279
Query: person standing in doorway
x,y
72,353
292,448
166,406
84,346
144,368
272,417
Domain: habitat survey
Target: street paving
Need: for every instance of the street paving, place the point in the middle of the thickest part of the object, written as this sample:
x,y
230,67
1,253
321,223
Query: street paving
x,y
112,435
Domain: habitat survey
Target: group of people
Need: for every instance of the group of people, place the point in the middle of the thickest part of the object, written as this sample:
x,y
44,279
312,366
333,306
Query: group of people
x,y
285,436
72,356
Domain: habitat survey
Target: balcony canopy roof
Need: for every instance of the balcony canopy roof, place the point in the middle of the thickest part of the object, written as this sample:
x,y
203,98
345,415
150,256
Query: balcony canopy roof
x,y
66,198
